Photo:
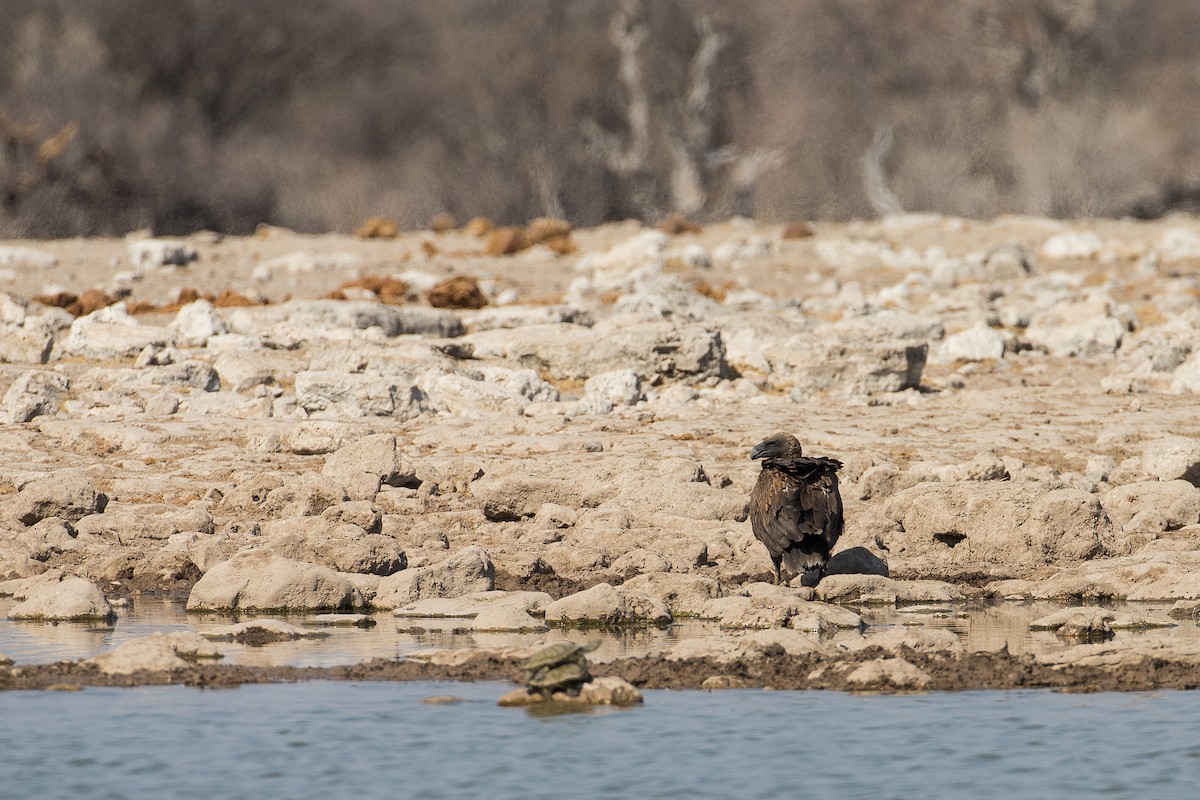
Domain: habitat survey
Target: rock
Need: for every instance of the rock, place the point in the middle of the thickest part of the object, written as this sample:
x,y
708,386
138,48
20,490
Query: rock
x,y
341,394
1137,652
962,529
856,561
878,589
888,673
13,256
158,652
977,343
258,579
475,603
1149,575
343,620
469,570
1087,623
812,364
1085,329
606,691
763,606
25,345
161,253
69,599
486,388
111,333
516,496
684,595
609,390
303,496
33,394
604,604
196,323
344,546
713,682
1185,609
67,495
1072,244
653,350
921,640
1178,502
261,631
1173,458
499,618
316,437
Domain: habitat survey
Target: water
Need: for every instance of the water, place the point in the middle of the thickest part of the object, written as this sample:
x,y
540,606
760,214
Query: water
x,y
323,740
986,627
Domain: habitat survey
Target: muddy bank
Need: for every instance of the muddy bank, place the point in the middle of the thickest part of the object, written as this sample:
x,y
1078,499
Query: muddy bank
x,y
780,671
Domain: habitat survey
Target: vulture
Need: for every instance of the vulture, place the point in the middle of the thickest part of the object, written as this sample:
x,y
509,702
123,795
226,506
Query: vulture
x,y
795,507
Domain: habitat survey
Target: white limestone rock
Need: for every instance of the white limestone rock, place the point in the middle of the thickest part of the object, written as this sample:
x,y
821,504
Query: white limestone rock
x,y
69,599
262,580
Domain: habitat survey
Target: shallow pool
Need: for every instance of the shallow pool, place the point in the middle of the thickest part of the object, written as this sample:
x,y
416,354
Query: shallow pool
x,y
326,740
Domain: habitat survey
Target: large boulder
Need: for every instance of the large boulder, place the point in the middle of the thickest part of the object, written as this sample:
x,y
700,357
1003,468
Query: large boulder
x,y
33,394
469,570
1172,458
326,393
112,333
605,604
344,546
67,495
1150,575
69,599
262,580
653,350
960,530
158,652
1174,503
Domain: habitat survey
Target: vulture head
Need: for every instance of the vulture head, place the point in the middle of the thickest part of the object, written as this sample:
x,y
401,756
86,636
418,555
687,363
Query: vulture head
x,y
781,445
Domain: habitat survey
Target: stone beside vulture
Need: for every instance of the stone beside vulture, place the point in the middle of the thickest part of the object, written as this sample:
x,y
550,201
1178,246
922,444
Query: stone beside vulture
x,y
795,507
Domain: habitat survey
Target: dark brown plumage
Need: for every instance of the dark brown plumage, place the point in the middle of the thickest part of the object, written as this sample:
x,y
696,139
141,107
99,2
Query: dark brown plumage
x,y
795,507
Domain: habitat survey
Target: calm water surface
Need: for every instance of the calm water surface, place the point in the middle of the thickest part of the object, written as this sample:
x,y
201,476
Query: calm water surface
x,y
328,740
980,627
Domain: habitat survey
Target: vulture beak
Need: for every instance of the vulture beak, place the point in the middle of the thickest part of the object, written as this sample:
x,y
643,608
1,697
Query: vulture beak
x,y
759,450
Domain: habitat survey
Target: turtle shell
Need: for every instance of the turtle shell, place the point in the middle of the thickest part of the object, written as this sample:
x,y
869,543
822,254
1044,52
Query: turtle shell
x,y
561,676
558,653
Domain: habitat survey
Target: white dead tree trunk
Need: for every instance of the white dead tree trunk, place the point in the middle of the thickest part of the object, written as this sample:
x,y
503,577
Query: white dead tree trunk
x,y
874,182
626,158
691,148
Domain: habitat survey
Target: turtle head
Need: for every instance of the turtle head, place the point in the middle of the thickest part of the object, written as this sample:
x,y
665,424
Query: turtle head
x,y
781,445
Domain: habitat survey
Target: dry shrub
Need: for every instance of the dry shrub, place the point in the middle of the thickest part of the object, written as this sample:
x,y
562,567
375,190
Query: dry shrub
x,y
78,305
797,229
506,241
443,222
675,224
545,228
389,290
231,299
460,291
562,245
718,293
377,228
480,226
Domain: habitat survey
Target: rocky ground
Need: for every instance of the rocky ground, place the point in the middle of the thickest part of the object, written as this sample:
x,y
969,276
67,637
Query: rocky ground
x,y
288,422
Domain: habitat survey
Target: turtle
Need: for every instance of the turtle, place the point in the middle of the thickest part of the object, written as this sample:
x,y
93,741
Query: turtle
x,y
561,665
563,678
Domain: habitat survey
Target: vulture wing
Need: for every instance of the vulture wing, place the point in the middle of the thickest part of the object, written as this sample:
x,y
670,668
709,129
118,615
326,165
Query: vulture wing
x,y
796,506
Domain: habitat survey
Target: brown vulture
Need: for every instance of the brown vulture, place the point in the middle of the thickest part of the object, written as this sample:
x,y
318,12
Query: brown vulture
x,y
795,508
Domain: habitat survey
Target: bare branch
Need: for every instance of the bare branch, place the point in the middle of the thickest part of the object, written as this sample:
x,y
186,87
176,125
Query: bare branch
x,y
874,182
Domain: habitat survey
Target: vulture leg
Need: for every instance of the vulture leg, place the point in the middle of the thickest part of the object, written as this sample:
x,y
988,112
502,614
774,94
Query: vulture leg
x,y
777,560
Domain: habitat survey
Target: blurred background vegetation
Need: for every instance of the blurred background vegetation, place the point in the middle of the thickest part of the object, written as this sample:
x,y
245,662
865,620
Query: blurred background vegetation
x,y
223,114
